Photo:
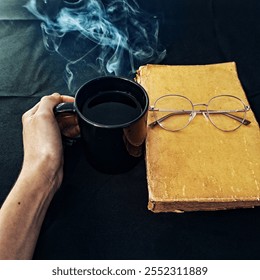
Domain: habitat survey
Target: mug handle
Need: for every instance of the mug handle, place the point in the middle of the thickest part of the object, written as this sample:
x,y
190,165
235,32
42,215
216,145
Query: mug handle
x,y
69,108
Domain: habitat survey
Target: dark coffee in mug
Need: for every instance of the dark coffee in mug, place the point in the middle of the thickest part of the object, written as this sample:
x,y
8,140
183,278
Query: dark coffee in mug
x,y
111,108
112,115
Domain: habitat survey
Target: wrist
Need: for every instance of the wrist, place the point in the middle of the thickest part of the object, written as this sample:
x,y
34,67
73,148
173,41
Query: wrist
x,y
40,176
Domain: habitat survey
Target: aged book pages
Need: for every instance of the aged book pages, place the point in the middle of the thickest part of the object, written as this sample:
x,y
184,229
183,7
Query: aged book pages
x,y
200,167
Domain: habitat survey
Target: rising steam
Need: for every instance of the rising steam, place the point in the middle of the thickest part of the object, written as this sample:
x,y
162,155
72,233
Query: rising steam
x,y
98,38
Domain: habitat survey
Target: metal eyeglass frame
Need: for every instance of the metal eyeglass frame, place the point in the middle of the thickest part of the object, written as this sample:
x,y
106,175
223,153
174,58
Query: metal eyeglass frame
x,y
206,113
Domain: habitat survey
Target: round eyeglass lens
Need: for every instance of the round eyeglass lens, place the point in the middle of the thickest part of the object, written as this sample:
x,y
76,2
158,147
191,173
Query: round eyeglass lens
x,y
173,112
226,112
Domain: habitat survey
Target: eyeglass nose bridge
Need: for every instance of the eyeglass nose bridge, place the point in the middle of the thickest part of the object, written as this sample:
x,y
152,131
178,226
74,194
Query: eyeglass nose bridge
x,y
203,112
194,113
200,104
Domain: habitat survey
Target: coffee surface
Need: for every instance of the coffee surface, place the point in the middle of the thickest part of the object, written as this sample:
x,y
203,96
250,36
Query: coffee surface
x,y
111,108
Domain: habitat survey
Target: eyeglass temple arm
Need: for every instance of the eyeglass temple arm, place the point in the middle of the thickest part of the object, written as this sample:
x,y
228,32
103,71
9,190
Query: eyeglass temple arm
x,y
241,120
152,124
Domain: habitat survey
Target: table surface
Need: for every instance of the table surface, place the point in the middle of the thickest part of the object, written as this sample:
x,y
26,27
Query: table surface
x,y
100,216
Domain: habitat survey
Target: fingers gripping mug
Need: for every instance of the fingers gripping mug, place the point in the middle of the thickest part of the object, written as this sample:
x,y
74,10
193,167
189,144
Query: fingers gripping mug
x,y
112,115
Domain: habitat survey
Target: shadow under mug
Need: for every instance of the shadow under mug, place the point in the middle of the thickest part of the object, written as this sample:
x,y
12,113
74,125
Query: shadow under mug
x,y
112,116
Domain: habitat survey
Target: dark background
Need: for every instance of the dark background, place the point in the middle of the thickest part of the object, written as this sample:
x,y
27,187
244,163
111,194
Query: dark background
x,y
98,216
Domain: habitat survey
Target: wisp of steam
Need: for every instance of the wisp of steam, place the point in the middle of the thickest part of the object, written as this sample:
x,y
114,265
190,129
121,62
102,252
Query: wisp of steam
x,y
97,37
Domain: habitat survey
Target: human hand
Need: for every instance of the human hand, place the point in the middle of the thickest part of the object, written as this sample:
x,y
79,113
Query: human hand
x,y
43,151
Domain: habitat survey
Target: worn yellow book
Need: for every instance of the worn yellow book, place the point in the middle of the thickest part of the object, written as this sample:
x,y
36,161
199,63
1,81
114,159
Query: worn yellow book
x,y
202,151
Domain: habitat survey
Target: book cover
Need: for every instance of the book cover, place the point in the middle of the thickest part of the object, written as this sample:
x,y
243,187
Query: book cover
x,y
200,167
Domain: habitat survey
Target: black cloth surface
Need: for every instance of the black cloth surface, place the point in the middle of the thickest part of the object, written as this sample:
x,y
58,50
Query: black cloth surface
x,y
100,216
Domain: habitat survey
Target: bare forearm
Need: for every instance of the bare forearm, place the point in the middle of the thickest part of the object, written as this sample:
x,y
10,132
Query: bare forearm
x,y
22,214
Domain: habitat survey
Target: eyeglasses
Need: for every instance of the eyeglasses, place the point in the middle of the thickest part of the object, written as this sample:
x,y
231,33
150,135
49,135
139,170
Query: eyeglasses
x,y
174,112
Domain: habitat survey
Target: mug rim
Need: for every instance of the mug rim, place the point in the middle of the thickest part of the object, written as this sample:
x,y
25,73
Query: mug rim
x,y
123,125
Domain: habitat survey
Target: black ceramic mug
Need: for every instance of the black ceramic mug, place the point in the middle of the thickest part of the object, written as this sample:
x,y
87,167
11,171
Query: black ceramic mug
x,y
112,115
